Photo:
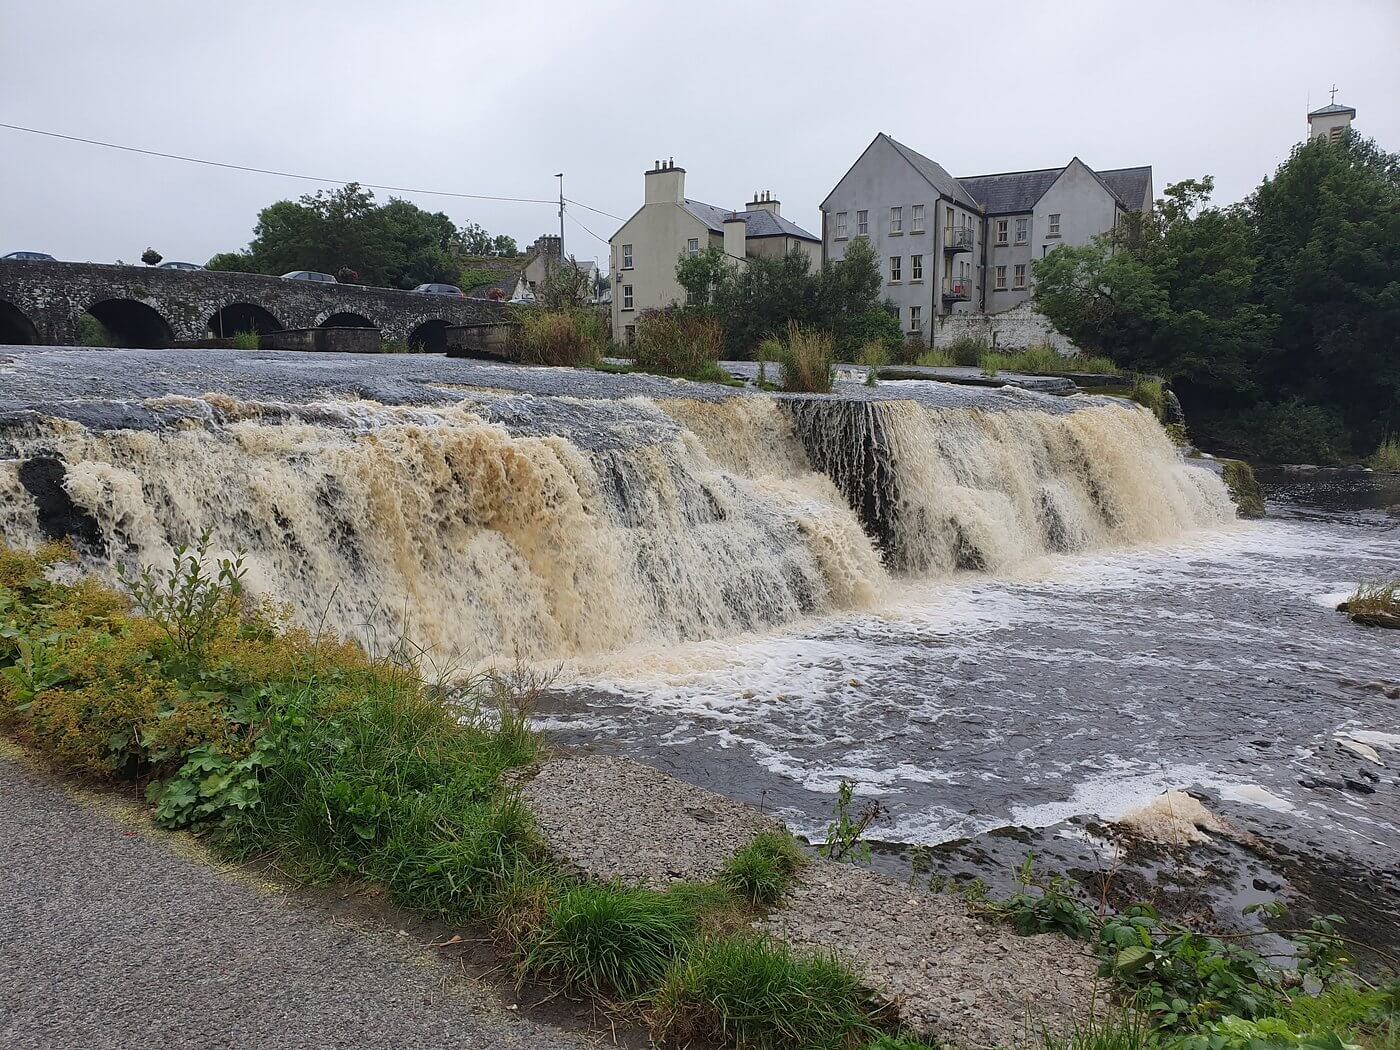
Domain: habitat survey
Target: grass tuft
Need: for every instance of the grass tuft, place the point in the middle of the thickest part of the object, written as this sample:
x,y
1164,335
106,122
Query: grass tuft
x,y
246,340
559,337
676,343
612,939
1387,456
749,991
806,359
1375,603
762,871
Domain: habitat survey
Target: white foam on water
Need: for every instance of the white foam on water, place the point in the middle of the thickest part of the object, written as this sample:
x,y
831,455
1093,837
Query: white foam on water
x,y
1254,795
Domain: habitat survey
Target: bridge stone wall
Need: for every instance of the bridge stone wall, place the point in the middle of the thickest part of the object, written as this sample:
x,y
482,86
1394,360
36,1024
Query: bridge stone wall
x,y
46,299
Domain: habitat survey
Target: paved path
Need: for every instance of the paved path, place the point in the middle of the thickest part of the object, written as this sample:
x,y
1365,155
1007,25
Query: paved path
x,y
111,936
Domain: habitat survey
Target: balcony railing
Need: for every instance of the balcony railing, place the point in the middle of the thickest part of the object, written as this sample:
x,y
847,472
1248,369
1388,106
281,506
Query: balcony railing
x,y
959,290
957,238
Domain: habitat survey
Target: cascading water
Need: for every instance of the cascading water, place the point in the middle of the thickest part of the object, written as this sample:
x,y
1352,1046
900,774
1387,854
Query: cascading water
x,y
500,523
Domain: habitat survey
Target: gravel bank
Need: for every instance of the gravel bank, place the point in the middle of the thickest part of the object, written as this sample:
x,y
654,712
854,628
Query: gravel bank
x,y
963,980
111,938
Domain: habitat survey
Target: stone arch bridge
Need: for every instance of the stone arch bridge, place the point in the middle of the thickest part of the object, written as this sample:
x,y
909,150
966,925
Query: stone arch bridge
x,y
144,306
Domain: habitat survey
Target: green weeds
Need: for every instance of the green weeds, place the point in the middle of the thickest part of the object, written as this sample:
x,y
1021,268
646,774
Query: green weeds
x,y
1387,456
761,872
246,340
844,835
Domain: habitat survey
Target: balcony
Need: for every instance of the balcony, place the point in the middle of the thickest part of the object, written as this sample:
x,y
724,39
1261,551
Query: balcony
x,y
957,291
957,239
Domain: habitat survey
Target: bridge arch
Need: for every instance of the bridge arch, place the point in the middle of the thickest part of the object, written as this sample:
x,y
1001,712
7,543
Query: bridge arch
x,y
429,337
132,323
15,326
346,319
229,320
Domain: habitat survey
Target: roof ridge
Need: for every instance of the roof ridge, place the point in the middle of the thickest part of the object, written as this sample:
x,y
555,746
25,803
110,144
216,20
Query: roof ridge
x,y
1027,171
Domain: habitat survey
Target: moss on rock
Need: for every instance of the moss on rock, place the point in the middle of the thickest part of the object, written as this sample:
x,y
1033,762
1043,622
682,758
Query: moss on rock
x,y
1245,489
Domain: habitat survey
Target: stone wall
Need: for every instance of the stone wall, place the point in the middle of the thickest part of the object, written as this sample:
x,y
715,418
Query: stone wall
x,y
1013,329
147,306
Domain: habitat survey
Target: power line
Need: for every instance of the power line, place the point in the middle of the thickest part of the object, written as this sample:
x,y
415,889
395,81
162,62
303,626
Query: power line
x,y
283,174
590,233
600,211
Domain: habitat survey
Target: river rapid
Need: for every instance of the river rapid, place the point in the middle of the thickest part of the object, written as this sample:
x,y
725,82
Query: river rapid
x,y
1010,618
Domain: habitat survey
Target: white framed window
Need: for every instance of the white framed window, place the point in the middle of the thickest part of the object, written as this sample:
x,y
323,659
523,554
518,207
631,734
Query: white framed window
x,y
627,295
1020,276
1023,230
916,318
840,225
895,268
1003,231
896,220
862,223
916,220
627,257
1053,229
692,246
1001,279
916,267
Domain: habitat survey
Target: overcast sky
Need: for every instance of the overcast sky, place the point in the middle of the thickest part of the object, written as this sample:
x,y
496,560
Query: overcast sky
x,y
496,98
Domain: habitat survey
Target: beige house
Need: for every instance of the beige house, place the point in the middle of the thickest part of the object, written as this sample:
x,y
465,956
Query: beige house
x,y
669,225
1331,121
540,260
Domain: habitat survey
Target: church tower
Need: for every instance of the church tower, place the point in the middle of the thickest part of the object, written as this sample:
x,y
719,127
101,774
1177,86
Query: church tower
x,y
1331,121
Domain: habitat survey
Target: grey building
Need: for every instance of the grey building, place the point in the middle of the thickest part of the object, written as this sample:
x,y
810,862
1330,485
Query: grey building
x,y
964,245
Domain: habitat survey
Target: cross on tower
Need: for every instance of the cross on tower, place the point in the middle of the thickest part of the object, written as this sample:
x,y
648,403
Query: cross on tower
x,y
1334,94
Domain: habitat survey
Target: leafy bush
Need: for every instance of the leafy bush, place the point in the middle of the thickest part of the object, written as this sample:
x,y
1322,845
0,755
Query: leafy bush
x,y
806,359
966,350
845,834
92,332
1293,431
762,871
612,939
246,340
559,337
678,343
749,991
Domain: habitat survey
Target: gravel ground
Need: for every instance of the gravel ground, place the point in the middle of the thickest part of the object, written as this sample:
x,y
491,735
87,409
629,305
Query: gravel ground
x,y
966,981
612,818
110,936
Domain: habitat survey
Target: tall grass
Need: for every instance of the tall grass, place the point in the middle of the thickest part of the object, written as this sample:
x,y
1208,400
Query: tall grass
x,y
1376,602
246,340
1387,456
559,337
677,343
1043,359
936,359
806,359
762,871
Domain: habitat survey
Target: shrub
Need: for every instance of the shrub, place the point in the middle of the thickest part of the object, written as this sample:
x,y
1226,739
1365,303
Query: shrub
x,y
806,359
678,343
762,871
936,359
92,332
967,350
559,337
1387,456
246,340
1245,489
1293,431
612,939
749,991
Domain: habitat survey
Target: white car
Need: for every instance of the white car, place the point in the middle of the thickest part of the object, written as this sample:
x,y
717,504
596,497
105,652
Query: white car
x,y
310,275
180,266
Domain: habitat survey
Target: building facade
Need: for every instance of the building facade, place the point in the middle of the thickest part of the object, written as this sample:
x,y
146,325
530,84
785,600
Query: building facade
x,y
964,245
669,226
1330,122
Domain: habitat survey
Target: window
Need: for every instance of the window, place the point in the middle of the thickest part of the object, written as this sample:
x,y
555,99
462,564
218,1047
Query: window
x,y
627,295
1001,279
894,269
1020,276
692,246
916,267
1023,229
916,320
1054,228
1002,225
840,225
947,218
862,223
627,257
918,219
896,220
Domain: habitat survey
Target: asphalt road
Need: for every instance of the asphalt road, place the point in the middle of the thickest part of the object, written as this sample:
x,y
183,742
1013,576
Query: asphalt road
x,y
112,935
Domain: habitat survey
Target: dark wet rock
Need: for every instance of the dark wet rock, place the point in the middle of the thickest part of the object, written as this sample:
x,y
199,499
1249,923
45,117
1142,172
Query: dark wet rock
x,y
59,517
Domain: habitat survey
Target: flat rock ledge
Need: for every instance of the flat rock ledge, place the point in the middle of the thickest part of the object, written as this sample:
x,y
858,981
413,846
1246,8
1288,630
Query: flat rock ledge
x,y
945,972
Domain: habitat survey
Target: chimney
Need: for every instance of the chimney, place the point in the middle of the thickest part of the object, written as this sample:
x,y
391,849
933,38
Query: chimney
x,y
736,232
765,202
665,184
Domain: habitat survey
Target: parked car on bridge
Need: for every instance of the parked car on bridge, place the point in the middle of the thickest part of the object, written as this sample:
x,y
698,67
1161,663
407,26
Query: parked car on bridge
x,y
441,289
180,266
310,275
30,256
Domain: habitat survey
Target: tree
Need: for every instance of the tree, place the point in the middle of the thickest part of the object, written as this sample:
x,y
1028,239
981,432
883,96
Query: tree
x,y
475,240
150,257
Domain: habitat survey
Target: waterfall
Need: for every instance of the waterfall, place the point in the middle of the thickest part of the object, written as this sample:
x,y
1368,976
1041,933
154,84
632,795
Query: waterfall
x,y
550,526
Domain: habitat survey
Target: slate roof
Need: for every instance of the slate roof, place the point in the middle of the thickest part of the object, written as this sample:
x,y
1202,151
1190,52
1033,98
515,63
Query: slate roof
x,y
1013,191
757,223
934,173
1131,185
1333,108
